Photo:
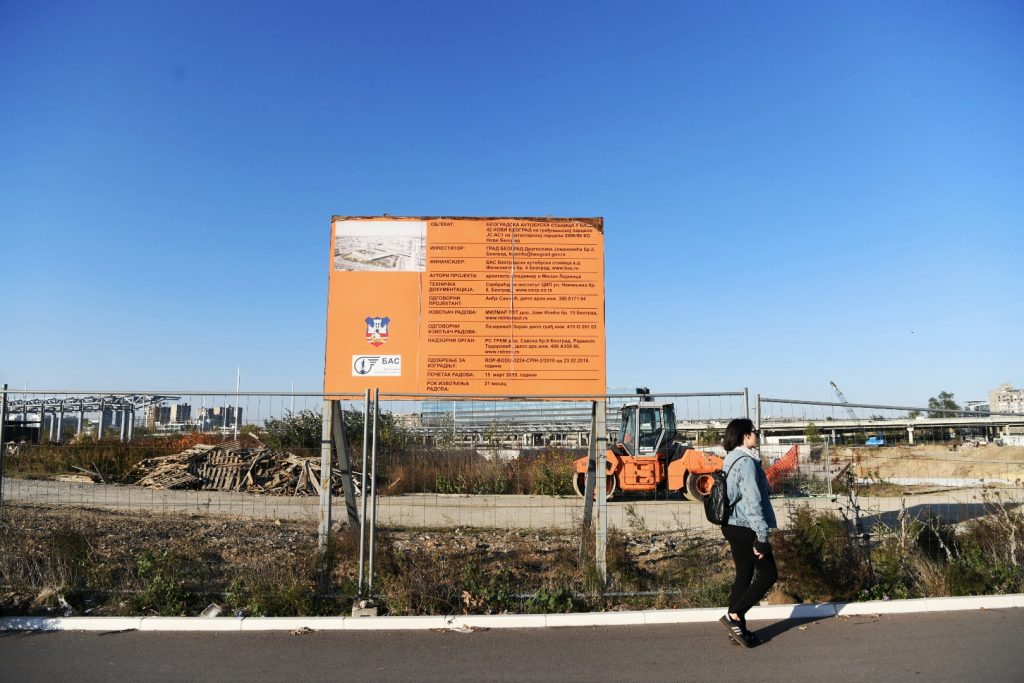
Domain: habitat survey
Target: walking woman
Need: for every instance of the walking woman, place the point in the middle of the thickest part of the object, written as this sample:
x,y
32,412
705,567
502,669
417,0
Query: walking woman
x,y
747,531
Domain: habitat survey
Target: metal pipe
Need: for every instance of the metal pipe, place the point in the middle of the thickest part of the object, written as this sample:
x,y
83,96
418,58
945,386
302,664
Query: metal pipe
x,y
601,541
325,466
373,486
3,448
362,491
828,469
881,407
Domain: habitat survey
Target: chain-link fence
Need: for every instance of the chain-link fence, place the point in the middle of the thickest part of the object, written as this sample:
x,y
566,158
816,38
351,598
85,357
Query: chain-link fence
x,y
938,460
478,504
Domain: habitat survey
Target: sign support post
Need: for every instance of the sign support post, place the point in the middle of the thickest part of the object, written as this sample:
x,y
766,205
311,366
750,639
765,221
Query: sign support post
x,y
597,481
325,475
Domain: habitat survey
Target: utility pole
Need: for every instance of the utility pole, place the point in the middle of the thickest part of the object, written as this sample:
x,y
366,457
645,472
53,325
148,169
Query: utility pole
x,y
238,383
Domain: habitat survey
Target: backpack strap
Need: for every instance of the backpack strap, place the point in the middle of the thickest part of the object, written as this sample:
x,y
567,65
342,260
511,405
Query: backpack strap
x,y
730,470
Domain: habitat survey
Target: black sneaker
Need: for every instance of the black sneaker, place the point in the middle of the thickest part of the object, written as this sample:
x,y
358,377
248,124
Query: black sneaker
x,y
735,631
751,638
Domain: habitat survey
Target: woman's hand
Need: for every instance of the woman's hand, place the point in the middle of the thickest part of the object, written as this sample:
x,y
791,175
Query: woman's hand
x,y
761,549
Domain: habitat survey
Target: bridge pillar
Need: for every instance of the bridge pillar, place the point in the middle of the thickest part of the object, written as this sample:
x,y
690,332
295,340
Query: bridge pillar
x,y
910,434
99,428
81,420
60,424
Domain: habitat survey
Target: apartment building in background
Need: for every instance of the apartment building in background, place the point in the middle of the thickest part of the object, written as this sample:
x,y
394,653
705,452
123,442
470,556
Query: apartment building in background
x,y
1006,399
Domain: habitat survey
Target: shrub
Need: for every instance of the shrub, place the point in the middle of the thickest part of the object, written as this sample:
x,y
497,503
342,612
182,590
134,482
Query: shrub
x,y
172,583
816,558
552,473
553,601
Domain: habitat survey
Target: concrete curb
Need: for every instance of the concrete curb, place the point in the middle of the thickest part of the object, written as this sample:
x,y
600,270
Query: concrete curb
x,y
472,621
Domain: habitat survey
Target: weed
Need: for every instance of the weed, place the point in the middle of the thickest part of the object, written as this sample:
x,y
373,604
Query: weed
x,y
553,601
552,474
636,523
816,560
171,583
486,592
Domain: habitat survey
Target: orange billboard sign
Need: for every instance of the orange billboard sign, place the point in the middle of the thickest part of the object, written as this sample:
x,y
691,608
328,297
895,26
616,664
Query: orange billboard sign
x,y
483,306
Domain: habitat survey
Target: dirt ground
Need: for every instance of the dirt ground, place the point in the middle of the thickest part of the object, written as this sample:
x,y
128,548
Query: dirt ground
x,y
989,462
42,547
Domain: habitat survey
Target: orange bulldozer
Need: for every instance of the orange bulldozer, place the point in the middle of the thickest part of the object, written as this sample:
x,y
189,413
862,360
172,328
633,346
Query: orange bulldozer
x,y
647,457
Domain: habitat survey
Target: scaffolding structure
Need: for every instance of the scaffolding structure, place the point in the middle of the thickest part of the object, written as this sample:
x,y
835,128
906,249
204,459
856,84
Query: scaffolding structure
x,y
48,413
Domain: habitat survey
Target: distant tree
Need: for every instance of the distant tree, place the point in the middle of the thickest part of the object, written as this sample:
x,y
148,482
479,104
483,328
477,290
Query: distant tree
x,y
812,433
304,430
294,430
708,437
914,414
943,402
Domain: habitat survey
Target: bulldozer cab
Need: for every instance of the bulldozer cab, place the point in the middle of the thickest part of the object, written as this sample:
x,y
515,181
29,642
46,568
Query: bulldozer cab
x,y
646,426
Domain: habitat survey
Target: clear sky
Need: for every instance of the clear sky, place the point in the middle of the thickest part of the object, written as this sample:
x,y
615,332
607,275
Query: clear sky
x,y
793,192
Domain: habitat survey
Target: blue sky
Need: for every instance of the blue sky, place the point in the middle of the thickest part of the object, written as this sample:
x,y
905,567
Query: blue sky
x,y
793,192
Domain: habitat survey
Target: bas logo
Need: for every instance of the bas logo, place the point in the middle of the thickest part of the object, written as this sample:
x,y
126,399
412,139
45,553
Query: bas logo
x,y
377,330
376,366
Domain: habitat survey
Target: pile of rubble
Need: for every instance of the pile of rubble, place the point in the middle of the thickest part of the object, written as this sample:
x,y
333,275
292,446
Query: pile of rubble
x,y
230,467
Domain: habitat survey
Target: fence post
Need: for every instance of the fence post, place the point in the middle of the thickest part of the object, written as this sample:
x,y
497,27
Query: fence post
x,y
345,465
362,489
828,469
3,448
373,487
588,489
325,467
746,402
600,548
757,413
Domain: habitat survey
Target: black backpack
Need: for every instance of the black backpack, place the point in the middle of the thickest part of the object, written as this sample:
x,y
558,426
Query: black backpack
x,y
716,503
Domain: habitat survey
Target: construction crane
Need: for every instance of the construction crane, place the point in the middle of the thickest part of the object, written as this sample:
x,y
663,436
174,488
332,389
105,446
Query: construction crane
x,y
842,399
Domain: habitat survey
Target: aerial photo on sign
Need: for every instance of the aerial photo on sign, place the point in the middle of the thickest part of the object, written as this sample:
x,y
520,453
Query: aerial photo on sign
x,y
483,306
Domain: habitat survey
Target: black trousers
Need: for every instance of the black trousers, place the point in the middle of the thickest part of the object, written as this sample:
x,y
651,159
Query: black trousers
x,y
754,577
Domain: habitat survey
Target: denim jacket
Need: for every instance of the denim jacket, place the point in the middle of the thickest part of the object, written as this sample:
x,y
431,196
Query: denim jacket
x,y
748,493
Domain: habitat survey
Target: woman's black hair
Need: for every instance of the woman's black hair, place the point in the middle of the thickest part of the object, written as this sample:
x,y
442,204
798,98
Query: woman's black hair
x,y
735,432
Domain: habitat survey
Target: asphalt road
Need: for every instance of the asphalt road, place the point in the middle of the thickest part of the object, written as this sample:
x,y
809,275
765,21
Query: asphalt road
x,y
951,646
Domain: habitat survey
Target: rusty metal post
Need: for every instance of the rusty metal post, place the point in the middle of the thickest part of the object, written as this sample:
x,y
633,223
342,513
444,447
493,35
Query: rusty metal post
x,y
325,466
746,403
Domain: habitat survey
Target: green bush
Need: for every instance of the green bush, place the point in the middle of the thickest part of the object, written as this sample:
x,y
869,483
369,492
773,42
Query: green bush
x,y
552,474
553,601
486,592
172,583
816,557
